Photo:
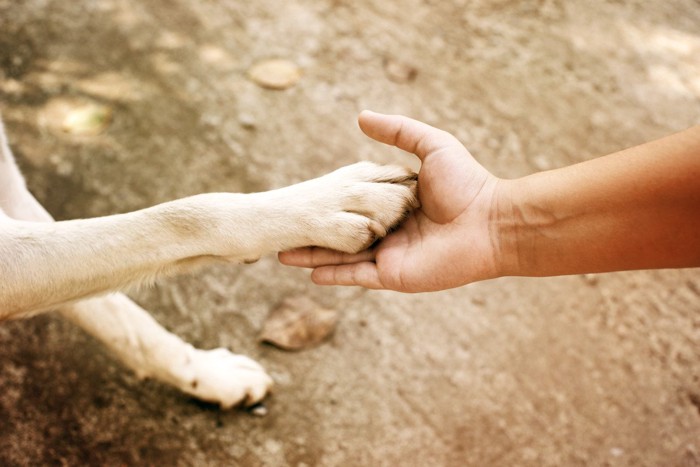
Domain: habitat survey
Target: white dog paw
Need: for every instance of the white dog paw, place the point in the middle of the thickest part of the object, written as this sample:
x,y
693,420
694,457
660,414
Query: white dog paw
x,y
224,378
358,204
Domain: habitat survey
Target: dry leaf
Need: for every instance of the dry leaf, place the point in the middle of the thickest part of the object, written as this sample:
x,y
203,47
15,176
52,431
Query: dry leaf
x,y
275,74
87,120
298,323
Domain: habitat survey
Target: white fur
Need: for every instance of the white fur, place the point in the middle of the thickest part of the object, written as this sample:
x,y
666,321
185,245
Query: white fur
x,y
72,265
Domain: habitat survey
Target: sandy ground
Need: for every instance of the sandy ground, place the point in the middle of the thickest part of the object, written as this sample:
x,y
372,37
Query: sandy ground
x,y
580,370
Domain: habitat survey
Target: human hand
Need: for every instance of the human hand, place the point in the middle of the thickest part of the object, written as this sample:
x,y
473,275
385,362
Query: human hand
x,y
449,241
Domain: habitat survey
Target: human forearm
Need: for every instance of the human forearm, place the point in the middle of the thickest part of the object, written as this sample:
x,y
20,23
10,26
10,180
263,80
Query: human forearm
x,y
635,209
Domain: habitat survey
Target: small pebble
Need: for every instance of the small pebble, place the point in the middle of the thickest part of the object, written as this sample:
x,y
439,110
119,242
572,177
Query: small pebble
x,y
399,72
247,121
591,279
259,410
541,162
275,74
478,301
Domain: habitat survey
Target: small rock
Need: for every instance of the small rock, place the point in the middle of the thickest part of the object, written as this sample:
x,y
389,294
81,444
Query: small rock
x,y
478,301
273,446
247,121
259,410
275,74
541,162
591,279
298,323
399,72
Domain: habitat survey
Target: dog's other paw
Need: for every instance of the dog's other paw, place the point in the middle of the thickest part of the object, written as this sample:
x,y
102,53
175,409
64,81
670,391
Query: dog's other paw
x,y
224,378
361,203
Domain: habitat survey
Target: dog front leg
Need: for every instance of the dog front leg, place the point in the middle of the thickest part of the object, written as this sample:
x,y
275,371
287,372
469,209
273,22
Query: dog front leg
x,y
46,265
145,347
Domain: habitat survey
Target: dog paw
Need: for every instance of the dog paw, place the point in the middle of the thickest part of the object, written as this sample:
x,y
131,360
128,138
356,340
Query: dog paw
x,y
224,378
359,204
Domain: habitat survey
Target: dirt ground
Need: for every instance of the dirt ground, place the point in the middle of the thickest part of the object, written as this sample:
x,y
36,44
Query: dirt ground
x,y
579,370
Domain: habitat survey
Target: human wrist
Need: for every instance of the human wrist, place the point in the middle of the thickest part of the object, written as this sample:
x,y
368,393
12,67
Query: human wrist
x,y
519,212
504,226
547,222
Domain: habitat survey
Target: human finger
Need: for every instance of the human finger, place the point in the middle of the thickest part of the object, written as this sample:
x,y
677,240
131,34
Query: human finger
x,y
364,274
406,133
311,257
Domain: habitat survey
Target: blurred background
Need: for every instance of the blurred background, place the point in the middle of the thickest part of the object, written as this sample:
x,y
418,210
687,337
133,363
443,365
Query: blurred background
x,y
180,99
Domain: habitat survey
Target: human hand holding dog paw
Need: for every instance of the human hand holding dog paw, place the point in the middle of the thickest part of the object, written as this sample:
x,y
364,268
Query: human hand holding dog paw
x,y
635,209
447,242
